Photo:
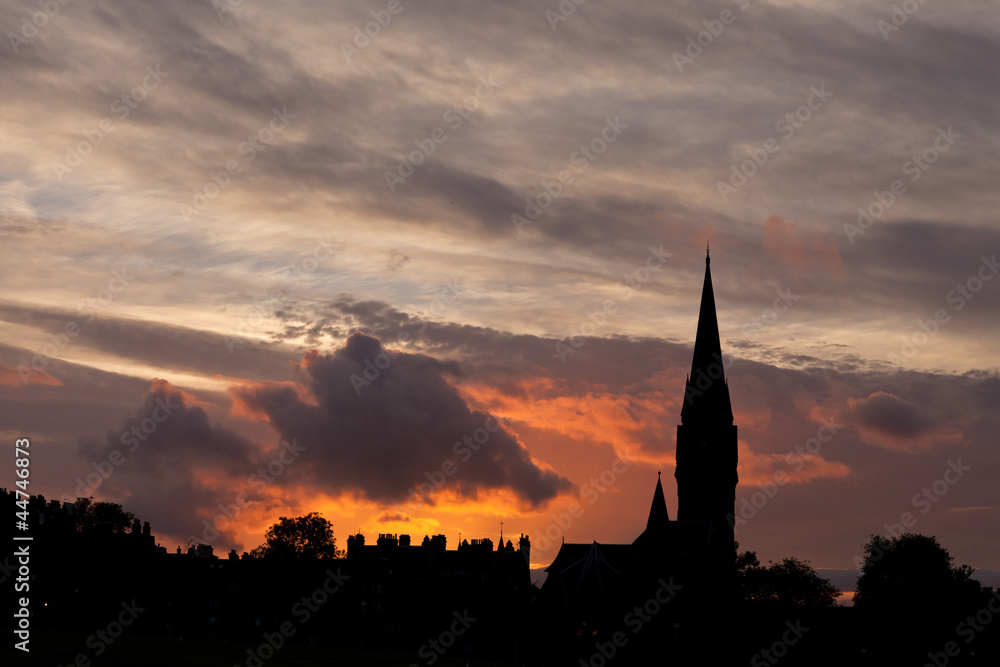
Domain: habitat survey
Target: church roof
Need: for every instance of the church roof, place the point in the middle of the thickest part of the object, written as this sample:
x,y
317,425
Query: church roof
x,y
583,575
588,572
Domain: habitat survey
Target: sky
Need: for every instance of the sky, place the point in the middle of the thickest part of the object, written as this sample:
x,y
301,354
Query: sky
x,y
430,267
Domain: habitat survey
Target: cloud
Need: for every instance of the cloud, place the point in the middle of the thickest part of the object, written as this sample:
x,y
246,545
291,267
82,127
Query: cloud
x,y
890,415
758,468
12,377
145,341
616,392
12,201
638,425
886,420
169,464
396,259
802,249
654,185
385,422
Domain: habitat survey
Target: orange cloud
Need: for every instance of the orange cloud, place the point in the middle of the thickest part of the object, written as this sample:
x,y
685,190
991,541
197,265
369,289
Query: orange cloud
x,y
801,248
756,421
160,385
242,408
627,422
705,234
757,468
10,377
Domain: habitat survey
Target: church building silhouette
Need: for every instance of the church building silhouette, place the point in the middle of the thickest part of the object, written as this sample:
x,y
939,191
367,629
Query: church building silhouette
x,y
594,585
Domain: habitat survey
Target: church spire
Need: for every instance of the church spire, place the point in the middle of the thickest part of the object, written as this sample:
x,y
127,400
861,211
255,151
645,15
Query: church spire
x,y
706,387
657,533
658,516
707,446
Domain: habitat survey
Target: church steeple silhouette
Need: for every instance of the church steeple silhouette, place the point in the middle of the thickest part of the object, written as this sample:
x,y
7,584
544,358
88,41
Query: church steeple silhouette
x,y
656,537
658,516
706,393
698,547
706,454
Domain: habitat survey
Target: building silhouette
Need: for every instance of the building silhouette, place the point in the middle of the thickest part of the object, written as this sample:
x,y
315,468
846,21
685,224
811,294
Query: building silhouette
x,y
592,586
706,453
671,596
393,595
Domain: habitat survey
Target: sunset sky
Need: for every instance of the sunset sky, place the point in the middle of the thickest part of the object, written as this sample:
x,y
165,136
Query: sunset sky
x,y
240,234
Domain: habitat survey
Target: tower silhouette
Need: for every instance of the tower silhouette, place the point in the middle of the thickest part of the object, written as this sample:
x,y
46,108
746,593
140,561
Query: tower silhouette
x,y
706,454
590,587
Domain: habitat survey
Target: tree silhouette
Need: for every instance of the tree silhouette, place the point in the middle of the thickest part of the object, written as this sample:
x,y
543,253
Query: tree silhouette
x,y
100,518
911,596
789,582
745,560
309,536
910,570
